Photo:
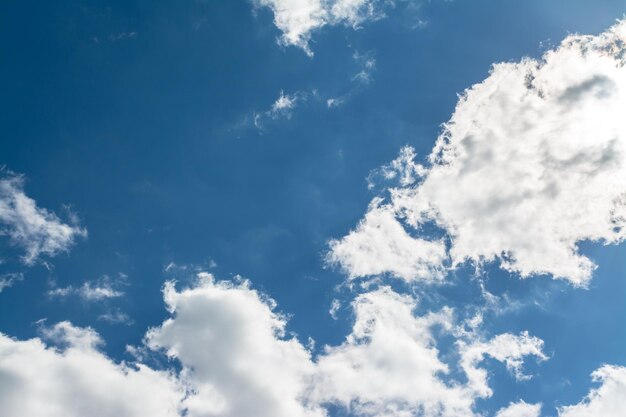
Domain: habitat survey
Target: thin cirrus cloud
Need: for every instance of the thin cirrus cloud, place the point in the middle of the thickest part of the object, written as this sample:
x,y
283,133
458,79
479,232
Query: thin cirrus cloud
x,y
93,290
37,231
551,127
531,164
241,363
64,373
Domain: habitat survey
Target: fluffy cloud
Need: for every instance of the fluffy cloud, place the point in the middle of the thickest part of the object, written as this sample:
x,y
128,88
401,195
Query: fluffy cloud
x,y
390,366
234,352
506,348
381,244
36,230
298,19
520,409
608,400
38,380
532,162
236,360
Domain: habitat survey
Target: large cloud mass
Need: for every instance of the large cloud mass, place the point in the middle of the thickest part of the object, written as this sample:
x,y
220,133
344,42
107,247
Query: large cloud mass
x,y
390,365
237,361
234,353
77,380
532,162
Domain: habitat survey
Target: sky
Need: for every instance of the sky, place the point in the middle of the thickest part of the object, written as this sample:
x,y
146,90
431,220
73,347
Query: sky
x,y
306,208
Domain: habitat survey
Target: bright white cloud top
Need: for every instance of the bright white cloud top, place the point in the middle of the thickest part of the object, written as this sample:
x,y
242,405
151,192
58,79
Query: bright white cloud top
x,y
34,229
608,400
237,361
299,19
77,380
531,164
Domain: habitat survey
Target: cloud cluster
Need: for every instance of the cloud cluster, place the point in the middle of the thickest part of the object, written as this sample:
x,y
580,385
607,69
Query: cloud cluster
x,y
531,163
389,365
34,229
298,19
237,360
234,352
77,380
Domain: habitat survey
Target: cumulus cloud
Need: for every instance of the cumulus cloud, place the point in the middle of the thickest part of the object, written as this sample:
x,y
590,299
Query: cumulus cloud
x,y
367,63
9,279
235,355
298,19
520,409
390,352
531,163
506,348
34,229
282,108
77,380
116,317
381,244
608,400
234,358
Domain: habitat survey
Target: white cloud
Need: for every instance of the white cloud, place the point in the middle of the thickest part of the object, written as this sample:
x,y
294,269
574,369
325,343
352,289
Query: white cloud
x,y
234,352
532,162
281,108
37,380
95,290
520,409
36,230
335,306
334,102
298,19
116,317
237,361
390,352
380,244
7,280
608,400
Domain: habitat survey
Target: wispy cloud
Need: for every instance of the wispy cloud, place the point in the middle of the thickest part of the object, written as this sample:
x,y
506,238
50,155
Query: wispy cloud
x,y
116,317
95,290
37,231
298,20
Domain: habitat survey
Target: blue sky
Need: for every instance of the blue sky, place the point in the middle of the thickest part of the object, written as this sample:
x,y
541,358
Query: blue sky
x,y
159,140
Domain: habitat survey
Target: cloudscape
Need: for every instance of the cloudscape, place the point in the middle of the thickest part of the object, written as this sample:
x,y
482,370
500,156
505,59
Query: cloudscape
x,y
313,208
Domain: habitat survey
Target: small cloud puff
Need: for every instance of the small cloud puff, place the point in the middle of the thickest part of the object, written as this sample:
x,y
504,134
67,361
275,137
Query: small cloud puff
x,y
37,231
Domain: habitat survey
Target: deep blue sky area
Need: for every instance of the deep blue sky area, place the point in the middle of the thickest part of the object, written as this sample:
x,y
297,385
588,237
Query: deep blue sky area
x,y
139,115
